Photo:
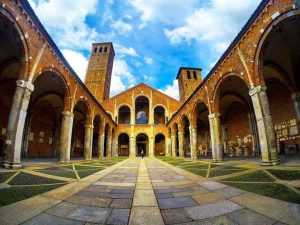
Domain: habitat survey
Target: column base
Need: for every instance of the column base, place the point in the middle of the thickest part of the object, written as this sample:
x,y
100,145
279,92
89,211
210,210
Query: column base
x,y
64,162
270,163
11,165
218,160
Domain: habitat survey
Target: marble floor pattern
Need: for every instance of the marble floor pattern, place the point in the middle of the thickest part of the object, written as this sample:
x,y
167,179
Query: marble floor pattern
x,y
152,192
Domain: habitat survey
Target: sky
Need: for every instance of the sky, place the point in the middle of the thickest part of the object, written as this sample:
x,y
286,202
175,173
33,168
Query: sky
x,y
152,38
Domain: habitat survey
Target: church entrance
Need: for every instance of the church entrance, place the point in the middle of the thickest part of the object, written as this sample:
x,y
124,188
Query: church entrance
x,y
142,144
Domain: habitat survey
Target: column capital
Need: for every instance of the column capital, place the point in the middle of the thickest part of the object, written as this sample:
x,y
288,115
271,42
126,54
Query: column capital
x,y
192,127
257,90
25,84
67,113
213,115
89,126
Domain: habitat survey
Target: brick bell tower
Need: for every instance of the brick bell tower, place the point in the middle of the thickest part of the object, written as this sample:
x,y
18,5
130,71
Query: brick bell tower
x,y
188,81
98,76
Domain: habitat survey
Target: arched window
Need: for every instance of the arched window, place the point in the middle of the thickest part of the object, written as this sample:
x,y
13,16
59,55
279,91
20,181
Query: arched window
x,y
188,74
95,49
124,115
195,75
142,110
159,115
100,49
105,49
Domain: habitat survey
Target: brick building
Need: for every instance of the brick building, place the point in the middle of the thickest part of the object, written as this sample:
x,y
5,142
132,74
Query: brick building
x,y
248,104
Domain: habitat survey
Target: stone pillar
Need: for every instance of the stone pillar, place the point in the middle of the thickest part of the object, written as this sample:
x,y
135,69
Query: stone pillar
x,y
168,146
16,122
180,137
66,137
88,139
296,103
100,150
207,145
215,134
173,138
265,126
115,147
108,143
193,142
132,151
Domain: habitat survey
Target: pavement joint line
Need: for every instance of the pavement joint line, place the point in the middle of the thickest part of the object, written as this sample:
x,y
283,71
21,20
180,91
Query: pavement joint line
x,y
36,185
75,171
12,177
49,176
234,174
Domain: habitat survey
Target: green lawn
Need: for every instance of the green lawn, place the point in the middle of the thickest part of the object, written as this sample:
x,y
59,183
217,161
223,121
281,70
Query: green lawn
x,y
5,175
85,173
28,179
59,173
272,190
256,176
15,194
285,174
222,172
199,172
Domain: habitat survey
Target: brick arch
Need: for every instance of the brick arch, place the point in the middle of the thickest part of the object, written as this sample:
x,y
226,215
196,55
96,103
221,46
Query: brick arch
x,y
258,75
194,110
216,90
6,12
124,104
86,104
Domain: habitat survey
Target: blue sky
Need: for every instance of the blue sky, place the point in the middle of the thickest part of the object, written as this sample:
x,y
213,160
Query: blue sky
x,y
152,38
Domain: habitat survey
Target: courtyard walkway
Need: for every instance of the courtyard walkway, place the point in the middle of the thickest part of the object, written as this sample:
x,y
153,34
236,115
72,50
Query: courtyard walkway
x,y
152,192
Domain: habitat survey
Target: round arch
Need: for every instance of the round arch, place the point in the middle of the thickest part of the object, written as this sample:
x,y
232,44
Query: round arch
x,y
142,110
124,114
142,144
160,144
123,144
159,113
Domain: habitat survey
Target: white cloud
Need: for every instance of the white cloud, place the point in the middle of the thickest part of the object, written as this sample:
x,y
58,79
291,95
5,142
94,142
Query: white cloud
x,y
65,20
122,78
77,61
216,23
148,60
172,90
168,11
121,27
124,51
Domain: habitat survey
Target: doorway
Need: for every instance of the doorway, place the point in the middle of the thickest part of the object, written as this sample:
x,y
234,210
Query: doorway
x,y
142,144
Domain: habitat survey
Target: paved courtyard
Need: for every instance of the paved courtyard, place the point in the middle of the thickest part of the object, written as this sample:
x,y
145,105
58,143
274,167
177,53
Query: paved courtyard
x,y
149,191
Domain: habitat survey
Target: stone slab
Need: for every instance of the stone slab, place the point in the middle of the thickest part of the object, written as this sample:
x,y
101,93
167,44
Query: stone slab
x,y
119,217
62,209
208,198
47,219
212,185
172,203
145,215
90,214
248,217
121,204
219,220
172,216
164,195
212,209
83,200
230,192
143,186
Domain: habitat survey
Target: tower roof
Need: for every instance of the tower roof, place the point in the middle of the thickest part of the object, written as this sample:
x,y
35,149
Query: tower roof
x,y
186,68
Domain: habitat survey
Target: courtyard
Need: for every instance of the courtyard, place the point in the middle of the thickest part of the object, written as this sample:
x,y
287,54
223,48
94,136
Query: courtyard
x,y
161,190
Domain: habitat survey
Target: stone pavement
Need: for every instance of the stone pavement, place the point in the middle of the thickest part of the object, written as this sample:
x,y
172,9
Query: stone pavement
x,y
150,192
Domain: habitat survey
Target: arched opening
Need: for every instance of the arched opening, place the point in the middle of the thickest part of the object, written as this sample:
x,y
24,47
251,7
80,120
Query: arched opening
x,y
186,137
279,61
238,124
160,145
142,144
124,115
141,110
123,145
159,115
96,135
203,131
81,112
106,132
12,61
43,122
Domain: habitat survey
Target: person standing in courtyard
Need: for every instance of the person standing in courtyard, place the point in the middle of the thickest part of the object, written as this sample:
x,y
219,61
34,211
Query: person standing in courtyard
x,y
142,153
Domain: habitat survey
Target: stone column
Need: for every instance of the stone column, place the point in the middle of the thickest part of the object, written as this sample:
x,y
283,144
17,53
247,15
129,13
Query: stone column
x,y
296,103
168,145
115,147
193,142
66,137
215,134
16,122
88,139
180,137
100,148
132,151
108,143
265,126
173,138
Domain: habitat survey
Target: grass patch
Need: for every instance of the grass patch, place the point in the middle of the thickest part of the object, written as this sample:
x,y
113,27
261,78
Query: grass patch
x,y
59,173
196,166
81,167
199,172
5,176
271,190
222,172
85,173
256,176
286,174
15,194
28,179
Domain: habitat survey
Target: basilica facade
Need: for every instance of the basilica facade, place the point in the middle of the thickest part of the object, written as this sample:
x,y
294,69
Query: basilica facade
x,y
247,106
